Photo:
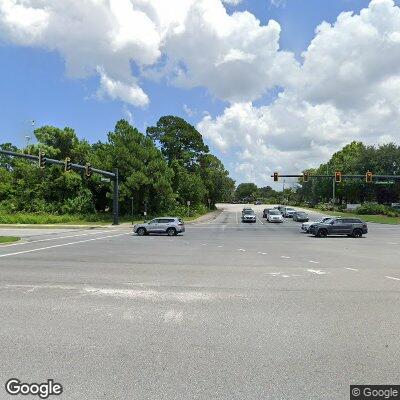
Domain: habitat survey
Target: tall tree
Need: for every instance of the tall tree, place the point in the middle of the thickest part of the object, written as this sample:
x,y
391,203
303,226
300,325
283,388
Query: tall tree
x,y
178,140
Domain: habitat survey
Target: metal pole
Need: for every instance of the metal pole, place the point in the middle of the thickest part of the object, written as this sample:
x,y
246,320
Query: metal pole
x,y
132,209
333,190
115,200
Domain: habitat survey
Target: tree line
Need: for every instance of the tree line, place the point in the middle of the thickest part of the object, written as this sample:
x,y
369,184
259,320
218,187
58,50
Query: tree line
x,y
163,168
356,158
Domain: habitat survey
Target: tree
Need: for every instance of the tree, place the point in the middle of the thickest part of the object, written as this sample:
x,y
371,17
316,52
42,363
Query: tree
x,y
246,191
178,140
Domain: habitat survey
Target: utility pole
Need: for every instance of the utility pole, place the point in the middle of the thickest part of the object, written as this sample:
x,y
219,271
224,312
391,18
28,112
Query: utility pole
x,y
115,199
333,190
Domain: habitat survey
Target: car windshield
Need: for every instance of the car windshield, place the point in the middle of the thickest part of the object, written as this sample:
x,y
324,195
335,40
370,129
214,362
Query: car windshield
x,y
274,212
249,212
302,214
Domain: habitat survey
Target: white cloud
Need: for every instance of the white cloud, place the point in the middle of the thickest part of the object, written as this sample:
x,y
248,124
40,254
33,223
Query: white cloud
x,y
129,93
278,3
189,112
232,2
234,56
348,88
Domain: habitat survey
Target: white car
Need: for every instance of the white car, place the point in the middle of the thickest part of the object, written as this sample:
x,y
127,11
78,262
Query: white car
x,y
274,216
288,212
305,226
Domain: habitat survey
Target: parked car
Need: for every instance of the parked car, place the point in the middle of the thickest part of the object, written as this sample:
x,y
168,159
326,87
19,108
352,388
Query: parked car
x,y
281,209
300,216
265,212
257,203
169,225
340,226
288,212
249,216
306,225
274,216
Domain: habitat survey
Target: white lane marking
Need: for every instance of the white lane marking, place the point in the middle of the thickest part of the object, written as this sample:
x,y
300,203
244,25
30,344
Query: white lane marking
x,y
260,252
392,243
352,269
275,273
314,262
53,238
62,245
204,244
286,257
393,278
316,271
241,250
262,223
220,246
285,276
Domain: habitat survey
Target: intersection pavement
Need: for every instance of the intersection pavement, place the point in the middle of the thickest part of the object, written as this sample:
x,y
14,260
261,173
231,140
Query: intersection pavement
x,y
226,311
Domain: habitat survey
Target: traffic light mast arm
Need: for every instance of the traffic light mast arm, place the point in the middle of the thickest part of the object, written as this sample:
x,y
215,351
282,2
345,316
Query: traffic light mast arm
x,y
77,167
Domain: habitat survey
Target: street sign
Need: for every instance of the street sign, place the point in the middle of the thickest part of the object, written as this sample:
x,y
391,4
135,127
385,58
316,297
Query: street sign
x,y
105,180
188,202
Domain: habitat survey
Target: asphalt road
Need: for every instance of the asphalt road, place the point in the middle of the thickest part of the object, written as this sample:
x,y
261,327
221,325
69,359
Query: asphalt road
x,y
226,311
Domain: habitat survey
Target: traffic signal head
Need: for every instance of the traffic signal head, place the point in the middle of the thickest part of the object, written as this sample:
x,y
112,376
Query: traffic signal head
x,y
338,176
305,176
368,177
42,160
88,170
68,164
276,177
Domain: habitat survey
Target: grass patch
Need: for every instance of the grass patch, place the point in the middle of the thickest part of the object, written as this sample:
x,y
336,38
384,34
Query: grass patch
x,y
379,219
8,239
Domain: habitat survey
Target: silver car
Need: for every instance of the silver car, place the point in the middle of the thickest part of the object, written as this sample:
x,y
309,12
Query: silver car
x,y
169,225
305,227
288,212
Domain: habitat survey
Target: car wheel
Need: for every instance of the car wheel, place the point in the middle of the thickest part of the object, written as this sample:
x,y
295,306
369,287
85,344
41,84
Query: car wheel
x,y
357,233
141,231
322,233
171,232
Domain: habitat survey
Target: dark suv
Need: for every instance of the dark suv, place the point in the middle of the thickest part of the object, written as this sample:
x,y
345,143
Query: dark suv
x,y
340,226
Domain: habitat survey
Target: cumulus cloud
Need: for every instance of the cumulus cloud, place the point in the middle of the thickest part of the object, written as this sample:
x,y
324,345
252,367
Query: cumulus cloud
x,y
234,56
348,88
232,2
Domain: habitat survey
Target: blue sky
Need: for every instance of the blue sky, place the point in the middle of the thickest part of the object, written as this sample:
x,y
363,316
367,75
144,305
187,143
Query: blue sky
x,y
35,84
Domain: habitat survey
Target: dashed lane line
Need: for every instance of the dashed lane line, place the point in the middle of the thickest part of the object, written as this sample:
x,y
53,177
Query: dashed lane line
x,y
314,262
62,245
393,278
241,250
316,271
352,269
286,257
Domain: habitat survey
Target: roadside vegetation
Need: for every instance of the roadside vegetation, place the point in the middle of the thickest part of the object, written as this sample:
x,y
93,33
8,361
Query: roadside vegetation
x,y
167,170
8,239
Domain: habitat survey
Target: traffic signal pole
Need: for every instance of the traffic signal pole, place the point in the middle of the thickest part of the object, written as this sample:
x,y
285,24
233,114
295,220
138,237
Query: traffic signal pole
x,y
111,175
